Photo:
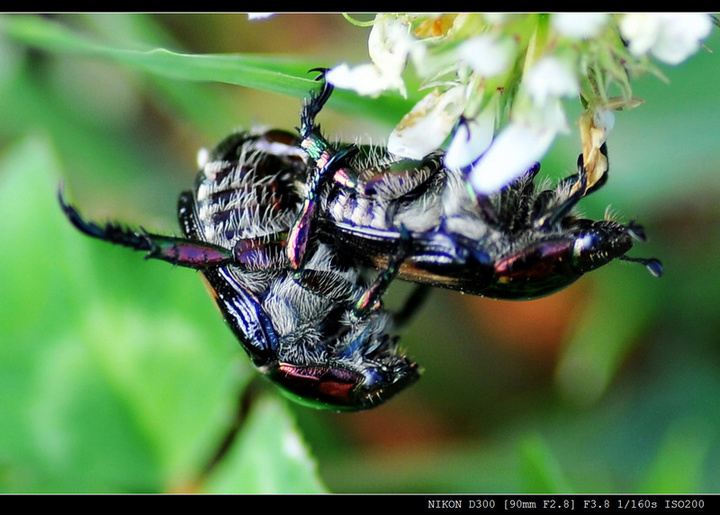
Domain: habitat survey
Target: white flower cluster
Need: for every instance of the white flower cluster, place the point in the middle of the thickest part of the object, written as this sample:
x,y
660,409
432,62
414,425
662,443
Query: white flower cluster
x,y
497,82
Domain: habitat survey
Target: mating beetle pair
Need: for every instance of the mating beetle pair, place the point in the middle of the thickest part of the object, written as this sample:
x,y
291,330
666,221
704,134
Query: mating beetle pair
x,y
288,265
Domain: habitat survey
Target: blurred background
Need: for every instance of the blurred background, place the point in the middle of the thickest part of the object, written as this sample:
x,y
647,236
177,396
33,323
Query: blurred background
x,y
118,375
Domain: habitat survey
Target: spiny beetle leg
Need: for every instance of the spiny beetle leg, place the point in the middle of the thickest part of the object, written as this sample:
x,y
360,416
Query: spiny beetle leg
x,y
187,253
412,305
371,299
557,213
328,163
178,251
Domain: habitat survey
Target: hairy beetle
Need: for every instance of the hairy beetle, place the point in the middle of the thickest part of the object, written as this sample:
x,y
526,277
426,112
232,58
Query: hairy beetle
x,y
300,328
522,242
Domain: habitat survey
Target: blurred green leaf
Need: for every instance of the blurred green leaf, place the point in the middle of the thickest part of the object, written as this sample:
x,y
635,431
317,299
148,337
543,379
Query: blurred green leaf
x,y
269,456
597,349
263,72
679,461
282,75
112,380
541,471
59,418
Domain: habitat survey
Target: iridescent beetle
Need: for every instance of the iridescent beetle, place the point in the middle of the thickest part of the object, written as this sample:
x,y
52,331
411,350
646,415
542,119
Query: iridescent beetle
x,y
299,328
520,243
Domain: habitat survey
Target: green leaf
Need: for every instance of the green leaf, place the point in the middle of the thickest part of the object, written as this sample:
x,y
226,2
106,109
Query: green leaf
x,y
540,469
269,456
678,464
62,427
116,374
274,74
596,349
284,75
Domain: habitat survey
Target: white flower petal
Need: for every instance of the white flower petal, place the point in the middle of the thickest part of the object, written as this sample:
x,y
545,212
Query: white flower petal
x,y
670,37
550,116
471,139
366,79
427,125
389,44
259,16
680,36
640,30
550,78
579,25
487,54
511,154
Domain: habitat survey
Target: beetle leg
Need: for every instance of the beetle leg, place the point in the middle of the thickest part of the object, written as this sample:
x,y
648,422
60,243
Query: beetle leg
x,y
371,298
186,253
555,214
318,149
579,186
178,251
487,210
314,105
411,305
313,141
328,163
598,183
591,183
520,188
299,234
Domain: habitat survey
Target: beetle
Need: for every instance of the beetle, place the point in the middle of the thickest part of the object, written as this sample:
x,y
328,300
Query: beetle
x,y
523,242
300,328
